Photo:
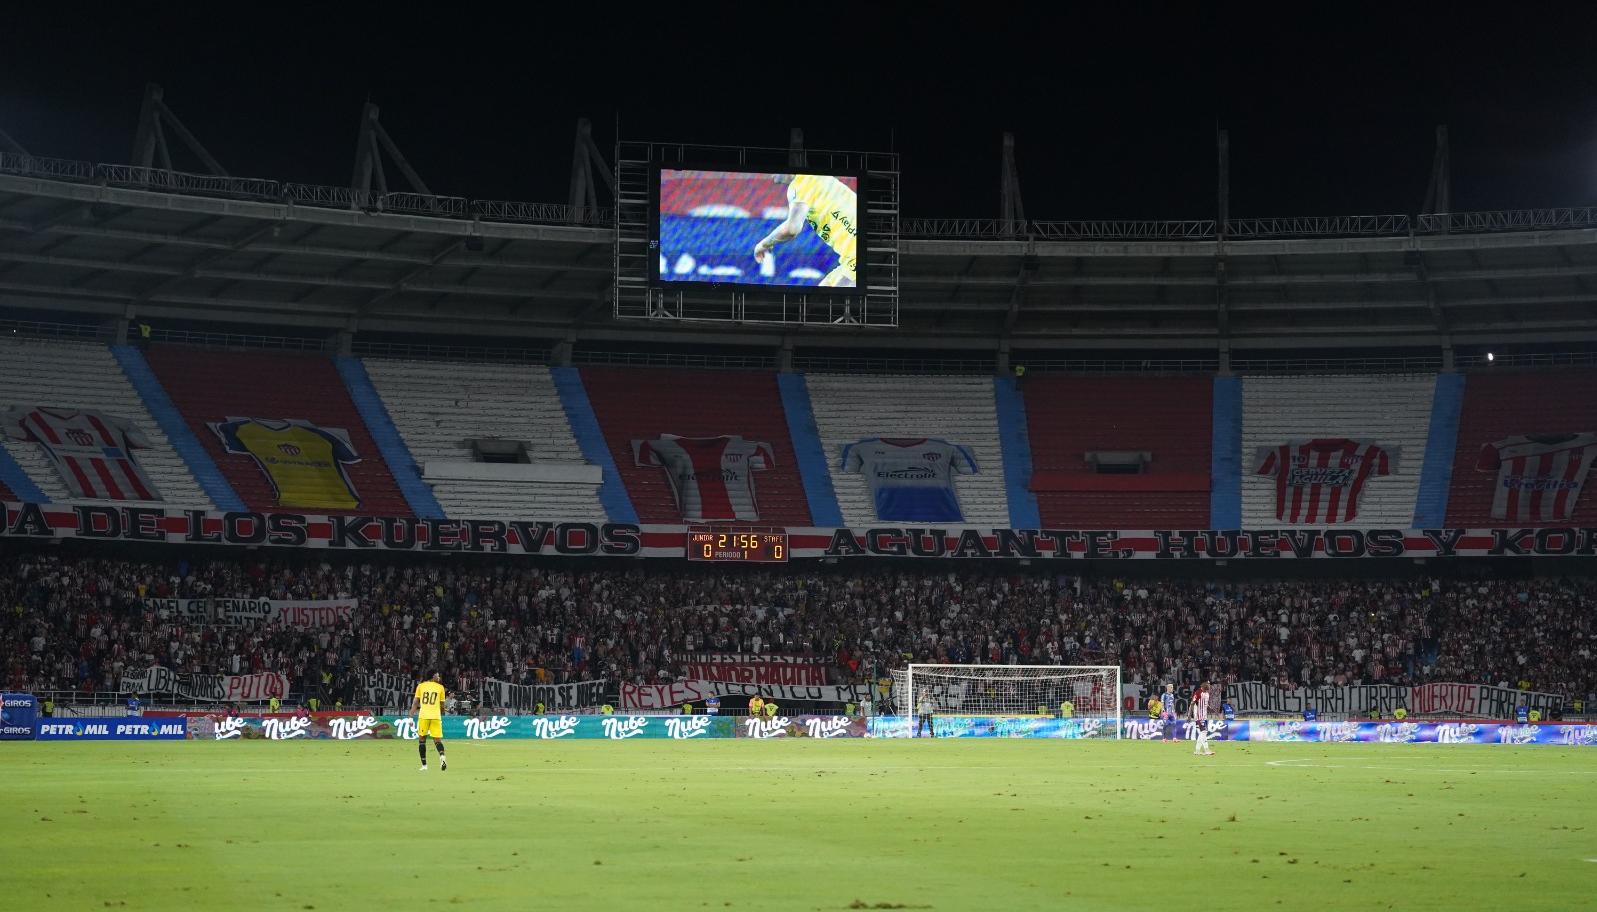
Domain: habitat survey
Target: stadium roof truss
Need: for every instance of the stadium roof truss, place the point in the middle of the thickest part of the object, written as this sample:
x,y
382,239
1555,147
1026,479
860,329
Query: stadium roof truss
x,y
116,241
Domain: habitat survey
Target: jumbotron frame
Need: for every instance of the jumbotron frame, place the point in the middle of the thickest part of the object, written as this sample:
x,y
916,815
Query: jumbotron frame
x,y
639,296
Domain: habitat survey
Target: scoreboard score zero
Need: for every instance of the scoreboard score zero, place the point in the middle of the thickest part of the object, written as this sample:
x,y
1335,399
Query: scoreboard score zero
x,y
737,546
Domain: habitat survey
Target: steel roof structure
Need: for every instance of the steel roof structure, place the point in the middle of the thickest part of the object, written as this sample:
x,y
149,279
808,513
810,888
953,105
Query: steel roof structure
x,y
112,242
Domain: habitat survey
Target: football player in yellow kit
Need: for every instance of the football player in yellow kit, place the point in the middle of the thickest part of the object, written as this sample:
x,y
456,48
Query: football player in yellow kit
x,y
428,705
827,205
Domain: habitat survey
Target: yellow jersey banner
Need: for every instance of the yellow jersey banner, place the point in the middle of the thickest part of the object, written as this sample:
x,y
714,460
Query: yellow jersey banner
x,y
304,462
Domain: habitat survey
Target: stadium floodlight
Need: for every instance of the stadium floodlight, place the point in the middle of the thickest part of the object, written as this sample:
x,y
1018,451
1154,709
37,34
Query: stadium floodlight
x,y
1010,690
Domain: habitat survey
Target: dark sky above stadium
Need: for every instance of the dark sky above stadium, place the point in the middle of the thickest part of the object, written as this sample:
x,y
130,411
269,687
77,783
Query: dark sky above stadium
x,y
1115,114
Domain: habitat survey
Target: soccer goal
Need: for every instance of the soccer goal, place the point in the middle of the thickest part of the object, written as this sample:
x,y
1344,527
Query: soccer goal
x,y
1003,691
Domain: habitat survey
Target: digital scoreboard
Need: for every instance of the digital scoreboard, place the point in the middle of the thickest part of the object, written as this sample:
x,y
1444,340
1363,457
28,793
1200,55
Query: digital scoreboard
x,y
737,546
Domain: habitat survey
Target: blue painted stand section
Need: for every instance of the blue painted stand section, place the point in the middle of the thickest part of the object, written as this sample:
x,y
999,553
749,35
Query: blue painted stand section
x,y
13,477
1441,445
1016,445
176,429
374,413
807,448
1225,470
590,440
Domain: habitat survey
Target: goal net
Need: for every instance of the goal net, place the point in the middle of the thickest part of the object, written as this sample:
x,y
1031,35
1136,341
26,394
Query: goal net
x,y
1088,694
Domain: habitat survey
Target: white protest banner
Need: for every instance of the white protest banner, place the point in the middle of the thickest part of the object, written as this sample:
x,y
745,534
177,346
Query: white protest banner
x,y
1440,699
1479,700
193,610
321,613
1348,700
388,690
555,698
159,681
232,611
754,669
665,696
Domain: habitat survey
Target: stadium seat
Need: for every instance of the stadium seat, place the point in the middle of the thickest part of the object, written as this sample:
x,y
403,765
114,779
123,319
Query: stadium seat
x,y
1502,405
643,403
1166,417
960,410
1392,411
85,376
211,386
440,407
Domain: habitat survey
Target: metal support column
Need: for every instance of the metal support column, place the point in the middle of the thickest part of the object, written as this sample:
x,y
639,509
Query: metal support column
x,y
10,145
1439,192
1223,201
1012,208
150,148
586,162
370,143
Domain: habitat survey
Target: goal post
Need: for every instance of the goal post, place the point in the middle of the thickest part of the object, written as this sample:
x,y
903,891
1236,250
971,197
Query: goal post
x,y
1012,692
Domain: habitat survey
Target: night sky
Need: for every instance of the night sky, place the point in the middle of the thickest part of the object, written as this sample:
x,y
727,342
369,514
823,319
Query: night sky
x,y
1114,115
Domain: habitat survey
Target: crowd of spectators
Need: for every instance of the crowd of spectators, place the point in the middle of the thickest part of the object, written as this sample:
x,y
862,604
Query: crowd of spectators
x,y
79,623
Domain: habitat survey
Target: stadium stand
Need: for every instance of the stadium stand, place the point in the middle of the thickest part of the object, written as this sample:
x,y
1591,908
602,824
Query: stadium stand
x,y
960,410
1501,406
1390,413
213,386
86,377
1164,422
7,464
79,622
440,408
635,404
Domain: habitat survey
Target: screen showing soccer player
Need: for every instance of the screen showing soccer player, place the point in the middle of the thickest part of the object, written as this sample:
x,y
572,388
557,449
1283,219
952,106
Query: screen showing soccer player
x,y
747,228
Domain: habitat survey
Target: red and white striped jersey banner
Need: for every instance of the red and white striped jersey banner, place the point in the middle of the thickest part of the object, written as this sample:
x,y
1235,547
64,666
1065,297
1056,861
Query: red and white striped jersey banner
x,y
91,451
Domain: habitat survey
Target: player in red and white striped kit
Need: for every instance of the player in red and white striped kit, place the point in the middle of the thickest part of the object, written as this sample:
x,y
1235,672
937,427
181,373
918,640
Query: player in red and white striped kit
x,y
1199,714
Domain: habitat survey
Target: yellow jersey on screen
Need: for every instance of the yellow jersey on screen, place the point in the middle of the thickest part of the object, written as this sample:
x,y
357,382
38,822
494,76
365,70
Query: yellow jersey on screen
x,y
430,695
305,463
833,213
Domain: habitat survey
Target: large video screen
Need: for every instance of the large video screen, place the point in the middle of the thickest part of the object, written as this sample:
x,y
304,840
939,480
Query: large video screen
x,y
751,228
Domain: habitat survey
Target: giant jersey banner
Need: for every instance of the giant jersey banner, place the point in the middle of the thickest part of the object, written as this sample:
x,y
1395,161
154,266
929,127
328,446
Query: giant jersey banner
x,y
304,462
91,451
584,539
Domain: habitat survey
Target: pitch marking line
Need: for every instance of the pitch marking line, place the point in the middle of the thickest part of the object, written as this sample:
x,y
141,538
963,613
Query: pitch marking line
x,y
1307,763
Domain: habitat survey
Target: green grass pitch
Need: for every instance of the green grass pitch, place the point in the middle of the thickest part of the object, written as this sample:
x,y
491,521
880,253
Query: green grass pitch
x,y
802,825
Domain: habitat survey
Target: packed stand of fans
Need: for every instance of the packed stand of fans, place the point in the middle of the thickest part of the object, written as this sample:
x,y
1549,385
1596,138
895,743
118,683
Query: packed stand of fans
x,y
78,623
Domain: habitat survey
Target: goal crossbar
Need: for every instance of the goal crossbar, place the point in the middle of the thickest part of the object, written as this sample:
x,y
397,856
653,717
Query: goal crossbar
x,y
1092,691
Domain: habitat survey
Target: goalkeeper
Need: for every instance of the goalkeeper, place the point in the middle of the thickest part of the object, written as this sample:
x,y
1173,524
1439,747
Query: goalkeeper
x,y
924,708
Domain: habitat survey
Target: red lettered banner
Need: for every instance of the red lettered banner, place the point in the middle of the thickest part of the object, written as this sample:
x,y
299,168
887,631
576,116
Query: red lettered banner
x,y
754,669
666,696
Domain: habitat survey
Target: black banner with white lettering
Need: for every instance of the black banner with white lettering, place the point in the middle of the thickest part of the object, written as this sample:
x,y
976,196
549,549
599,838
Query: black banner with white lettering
x,y
554,698
595,539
